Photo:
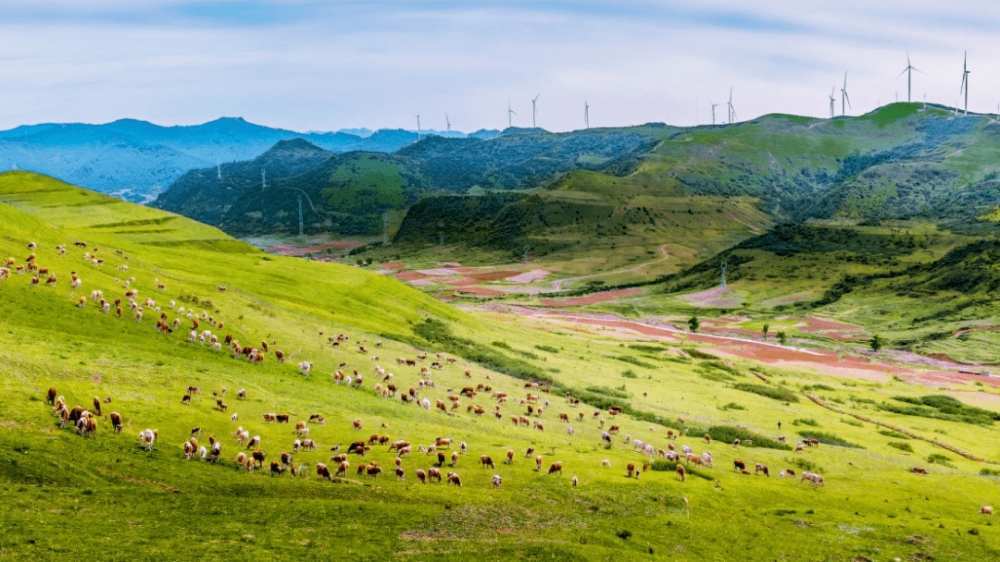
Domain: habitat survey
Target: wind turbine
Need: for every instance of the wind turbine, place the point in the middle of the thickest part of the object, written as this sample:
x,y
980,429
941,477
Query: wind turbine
x,y
447,122
510,113
732,111
833,102
418,127
965,81
845,100
534,112
714,105
586,113
908,71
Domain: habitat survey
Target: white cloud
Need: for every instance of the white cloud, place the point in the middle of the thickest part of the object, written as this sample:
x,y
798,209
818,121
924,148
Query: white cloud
x,y
327,66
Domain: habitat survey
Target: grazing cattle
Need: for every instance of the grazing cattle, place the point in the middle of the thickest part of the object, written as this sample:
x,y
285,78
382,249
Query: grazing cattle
x,y
606,437
739,465
356,423
357,447
510,456
434,473
305,367
986,510
454,479
373,470
486,461
918,470
116,422
254,442
317,418
816,479
397,445
270,417
258,457
50,397
222,407
555,467
630,467
454,459
706,459
761,468
786,473
606,463
681,473
309,445
97,405
281,418
323,471
277,468
147,438
241,394
216,451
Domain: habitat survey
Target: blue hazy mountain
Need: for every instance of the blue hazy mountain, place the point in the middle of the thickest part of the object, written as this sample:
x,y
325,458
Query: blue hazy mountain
x,y
136,160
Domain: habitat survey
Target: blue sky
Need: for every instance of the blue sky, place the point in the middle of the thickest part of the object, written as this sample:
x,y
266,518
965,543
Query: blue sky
x,y
329,65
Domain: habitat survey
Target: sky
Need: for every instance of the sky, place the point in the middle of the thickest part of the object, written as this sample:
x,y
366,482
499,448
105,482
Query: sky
x,y
320,66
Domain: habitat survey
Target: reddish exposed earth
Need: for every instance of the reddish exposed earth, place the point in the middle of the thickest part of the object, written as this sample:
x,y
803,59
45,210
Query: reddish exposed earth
x,y
851,365
593,298
481,291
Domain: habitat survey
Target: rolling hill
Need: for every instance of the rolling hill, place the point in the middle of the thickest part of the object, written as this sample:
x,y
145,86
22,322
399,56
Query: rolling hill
x,y
136,160
104,496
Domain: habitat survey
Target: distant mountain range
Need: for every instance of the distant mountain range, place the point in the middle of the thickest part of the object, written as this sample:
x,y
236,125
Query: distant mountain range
x,y
348,192
136,160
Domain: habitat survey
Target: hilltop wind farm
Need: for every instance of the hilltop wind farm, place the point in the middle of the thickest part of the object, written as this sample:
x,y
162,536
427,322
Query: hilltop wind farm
x,y
379,317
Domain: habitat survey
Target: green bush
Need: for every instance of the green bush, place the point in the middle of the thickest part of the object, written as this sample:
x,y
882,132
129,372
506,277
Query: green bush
x,y
829,439
607,391
729,434
940,407
634,361
893,434
547,348
901,446
938,458
629,374
645,348
731,406
773,392
806,421
661,465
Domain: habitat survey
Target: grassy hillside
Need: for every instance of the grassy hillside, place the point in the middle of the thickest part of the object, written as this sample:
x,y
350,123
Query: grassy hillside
x,y
106,498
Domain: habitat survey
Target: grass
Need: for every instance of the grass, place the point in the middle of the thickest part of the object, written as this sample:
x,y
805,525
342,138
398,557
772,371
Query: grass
x,y
105,498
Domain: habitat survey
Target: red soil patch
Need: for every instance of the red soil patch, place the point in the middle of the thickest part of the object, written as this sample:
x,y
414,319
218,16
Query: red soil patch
x,y
593,298
394,266
493,275
411,276
819,325
461,281
292,250
481,291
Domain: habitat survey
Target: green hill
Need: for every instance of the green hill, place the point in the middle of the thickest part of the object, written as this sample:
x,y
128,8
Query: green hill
x,y
105,497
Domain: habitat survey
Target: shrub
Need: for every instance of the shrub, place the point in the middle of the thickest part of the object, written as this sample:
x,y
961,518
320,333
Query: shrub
x,y
502,345
634,361
901,446
829,439
700,354
938,458
806,421
893,434
645,348
855,423
729,434
804,464
772,392
731,406
819,387
607,391
989,472
624,534
547,348
629,374
661,465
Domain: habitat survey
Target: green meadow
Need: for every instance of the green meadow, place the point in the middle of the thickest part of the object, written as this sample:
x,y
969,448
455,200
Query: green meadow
x,y
105,498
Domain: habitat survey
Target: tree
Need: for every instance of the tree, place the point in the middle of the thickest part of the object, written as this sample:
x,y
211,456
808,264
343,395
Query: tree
x,y
694,324
782,338
876,343
767,327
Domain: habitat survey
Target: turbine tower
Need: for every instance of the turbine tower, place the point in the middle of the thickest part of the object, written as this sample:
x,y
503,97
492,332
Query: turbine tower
x,y
845,101
263,179
732,111
908,71
418,127
833,102
218,168
447,122
586,113
534,112
510,114
965,81
714,105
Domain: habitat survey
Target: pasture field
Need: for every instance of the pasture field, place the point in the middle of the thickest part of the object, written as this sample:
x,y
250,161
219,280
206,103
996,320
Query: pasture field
x,y
106,498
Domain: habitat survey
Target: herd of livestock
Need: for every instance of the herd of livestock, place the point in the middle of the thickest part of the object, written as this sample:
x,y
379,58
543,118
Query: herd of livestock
x,y
252,456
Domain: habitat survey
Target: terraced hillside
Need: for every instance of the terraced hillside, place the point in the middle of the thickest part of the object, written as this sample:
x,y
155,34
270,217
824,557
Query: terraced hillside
x,y
105,497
